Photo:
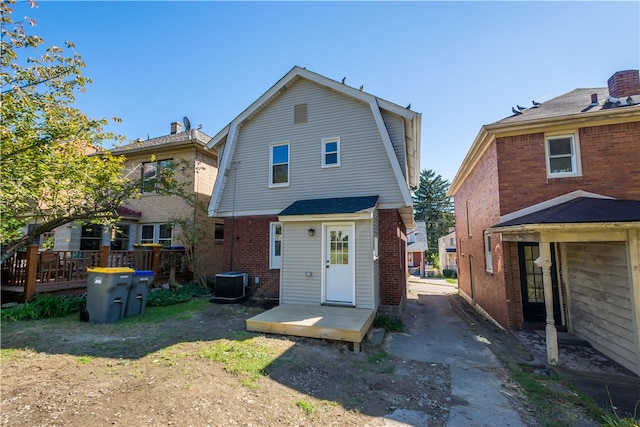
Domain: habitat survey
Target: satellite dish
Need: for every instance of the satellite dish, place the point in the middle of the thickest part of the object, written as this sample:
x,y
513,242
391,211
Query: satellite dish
x,y
187,124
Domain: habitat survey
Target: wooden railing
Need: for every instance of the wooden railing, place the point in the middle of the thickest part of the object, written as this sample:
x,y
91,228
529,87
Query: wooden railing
x,y
34,271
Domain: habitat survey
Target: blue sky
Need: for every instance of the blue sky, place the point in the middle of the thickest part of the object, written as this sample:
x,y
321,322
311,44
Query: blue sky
x,y
460,64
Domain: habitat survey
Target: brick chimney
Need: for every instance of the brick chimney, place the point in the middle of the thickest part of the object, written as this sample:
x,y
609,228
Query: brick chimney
x,y
624,83
176,128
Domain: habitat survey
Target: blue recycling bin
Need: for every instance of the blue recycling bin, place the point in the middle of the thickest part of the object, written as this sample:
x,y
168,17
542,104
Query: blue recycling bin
x,y
137,299
107,294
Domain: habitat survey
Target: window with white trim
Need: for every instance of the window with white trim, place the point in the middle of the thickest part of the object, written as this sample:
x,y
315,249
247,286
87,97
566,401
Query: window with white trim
x,y
279,165
330,152
152,173
275,246
563,156
488,258
156,233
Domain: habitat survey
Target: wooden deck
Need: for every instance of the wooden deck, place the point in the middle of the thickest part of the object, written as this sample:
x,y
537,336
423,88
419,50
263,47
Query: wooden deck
x,y
326,322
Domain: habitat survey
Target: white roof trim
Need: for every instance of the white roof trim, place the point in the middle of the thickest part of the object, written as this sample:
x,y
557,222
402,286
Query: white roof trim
x,y
550,203
223,172
388,146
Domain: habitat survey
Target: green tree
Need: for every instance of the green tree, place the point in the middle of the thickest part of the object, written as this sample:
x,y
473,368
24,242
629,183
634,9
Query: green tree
x,y
54,167
432,205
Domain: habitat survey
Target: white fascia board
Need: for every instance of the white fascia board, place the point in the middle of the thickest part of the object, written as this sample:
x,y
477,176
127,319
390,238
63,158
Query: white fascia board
x,y
396,109
550,203
229,214
388,146
610,231
218,137
221,178
367,214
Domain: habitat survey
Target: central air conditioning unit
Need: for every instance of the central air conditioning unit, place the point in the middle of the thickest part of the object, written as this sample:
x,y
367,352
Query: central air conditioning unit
x,y
230,286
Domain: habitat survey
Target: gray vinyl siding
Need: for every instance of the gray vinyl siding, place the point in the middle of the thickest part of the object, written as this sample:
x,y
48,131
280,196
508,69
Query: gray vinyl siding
x,y
364,262
395,127
600,299
302,253
364,168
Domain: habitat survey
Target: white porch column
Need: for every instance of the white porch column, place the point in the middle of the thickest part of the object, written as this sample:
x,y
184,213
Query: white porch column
x,y
551,332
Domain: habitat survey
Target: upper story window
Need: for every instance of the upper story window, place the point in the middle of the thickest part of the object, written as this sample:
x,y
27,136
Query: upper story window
x,y
151,174
279,170
563,156
330,152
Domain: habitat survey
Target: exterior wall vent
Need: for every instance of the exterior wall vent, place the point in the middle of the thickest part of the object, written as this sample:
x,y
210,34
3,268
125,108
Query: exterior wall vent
x,y
300,114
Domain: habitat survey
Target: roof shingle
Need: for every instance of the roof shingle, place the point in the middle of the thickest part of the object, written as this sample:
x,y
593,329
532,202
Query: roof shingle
x,y
342,205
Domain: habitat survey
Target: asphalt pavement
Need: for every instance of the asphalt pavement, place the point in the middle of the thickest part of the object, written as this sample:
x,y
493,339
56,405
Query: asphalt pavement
x,y
435,332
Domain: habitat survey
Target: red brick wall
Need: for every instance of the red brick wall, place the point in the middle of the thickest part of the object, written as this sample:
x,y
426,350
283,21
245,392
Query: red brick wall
x,y
624,83
610,157
480,189
514,293
393,261
246,249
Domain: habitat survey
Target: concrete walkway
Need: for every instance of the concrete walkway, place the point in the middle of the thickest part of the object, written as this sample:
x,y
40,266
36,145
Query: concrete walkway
x,y
434,332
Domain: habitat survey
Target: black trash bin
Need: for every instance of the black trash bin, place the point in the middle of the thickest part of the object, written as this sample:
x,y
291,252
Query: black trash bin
x,y
137,299
107,293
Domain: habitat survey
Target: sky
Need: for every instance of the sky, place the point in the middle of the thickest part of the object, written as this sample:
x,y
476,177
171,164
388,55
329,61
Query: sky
x,y
460,64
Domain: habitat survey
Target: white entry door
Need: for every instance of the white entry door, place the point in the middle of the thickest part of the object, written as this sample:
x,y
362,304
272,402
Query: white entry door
x,y
339,264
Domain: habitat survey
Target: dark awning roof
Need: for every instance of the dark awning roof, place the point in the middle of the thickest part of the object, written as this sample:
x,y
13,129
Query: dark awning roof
x,y
582,210
342,205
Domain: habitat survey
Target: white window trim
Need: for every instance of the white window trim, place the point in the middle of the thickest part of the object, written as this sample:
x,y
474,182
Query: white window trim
x,y
275,262
156,232
281,184
324,152
376,252
576,162
488,256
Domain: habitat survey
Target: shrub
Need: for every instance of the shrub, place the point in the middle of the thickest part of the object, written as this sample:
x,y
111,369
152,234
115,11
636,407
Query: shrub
x,y
164,297
44,306
389,323
448,273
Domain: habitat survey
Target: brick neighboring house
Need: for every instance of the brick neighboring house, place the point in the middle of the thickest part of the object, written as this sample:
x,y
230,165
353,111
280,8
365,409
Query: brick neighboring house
x,y
314,190
147,219
547,206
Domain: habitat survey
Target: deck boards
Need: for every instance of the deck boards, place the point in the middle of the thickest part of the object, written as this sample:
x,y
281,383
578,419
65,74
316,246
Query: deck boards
x,y
326,322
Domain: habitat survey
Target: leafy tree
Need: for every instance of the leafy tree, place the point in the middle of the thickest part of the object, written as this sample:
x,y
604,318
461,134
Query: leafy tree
x,y
53,163
432,205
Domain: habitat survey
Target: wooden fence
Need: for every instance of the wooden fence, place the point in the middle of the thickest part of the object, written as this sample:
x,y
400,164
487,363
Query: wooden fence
x,y
33,271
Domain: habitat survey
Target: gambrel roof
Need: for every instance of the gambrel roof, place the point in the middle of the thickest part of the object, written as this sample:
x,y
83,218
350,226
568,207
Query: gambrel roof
x,y
412,122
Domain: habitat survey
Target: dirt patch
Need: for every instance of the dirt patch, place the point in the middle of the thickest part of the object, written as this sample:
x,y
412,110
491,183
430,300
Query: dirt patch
x,y
134,372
